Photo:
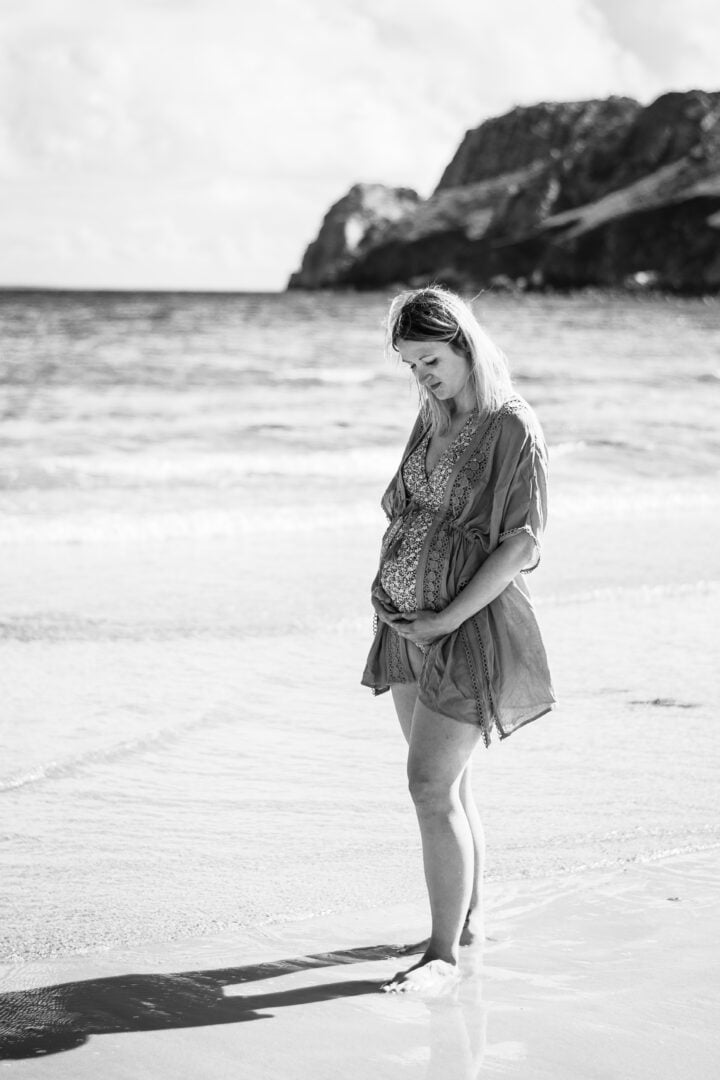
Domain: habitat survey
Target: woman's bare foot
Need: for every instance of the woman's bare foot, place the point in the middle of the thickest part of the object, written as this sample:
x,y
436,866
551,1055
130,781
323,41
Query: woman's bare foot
x,y
473,931
429,976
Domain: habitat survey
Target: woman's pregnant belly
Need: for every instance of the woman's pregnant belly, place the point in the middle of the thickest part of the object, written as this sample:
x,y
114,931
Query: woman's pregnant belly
x,y
398,575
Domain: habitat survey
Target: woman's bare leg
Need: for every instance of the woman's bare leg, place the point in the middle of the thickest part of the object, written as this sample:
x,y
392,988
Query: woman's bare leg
x,y
440,750
405,698
473,931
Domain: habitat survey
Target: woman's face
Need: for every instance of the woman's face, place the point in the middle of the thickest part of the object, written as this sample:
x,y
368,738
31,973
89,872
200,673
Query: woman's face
x,y
436,366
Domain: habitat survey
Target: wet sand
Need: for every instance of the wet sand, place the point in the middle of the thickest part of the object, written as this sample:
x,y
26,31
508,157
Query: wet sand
x,y
595,975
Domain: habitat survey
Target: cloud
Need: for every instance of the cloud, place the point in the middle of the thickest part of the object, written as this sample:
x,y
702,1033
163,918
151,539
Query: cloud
x,y
202,142
678,44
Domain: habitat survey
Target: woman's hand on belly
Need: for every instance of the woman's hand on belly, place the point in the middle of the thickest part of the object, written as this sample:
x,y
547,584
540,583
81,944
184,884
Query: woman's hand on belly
x,y
383,605
420,627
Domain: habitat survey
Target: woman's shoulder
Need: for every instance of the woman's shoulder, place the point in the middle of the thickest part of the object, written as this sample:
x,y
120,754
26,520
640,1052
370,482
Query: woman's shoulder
x,y
516,419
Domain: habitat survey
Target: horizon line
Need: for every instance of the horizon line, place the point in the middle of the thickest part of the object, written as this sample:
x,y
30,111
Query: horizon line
x,y
191,290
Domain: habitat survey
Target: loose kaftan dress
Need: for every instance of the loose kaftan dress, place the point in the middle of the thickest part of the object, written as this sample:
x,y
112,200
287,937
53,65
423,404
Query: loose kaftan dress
x,y
489,484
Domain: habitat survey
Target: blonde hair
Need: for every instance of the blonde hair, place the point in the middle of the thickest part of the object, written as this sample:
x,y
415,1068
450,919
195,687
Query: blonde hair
x,y
437,314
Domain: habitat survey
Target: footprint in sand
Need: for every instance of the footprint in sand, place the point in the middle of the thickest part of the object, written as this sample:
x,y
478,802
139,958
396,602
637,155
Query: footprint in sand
x,y
667,703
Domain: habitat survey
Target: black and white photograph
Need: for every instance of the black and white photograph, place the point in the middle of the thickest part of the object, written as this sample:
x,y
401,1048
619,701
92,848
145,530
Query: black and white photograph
x,y
359,516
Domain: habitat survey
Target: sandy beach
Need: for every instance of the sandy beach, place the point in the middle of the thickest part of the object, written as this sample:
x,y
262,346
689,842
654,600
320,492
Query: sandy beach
x,y
606,968
205,815
601,975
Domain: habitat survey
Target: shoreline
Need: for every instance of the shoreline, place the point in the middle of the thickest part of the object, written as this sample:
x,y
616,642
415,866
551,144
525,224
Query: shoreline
x,y
593,974
249,930
205,841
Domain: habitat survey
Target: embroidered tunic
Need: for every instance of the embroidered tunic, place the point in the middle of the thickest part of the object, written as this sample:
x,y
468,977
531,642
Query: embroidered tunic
x,y
399,572
490,483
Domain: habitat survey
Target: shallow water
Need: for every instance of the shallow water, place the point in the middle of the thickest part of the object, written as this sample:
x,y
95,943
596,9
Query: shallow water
x,y
189,492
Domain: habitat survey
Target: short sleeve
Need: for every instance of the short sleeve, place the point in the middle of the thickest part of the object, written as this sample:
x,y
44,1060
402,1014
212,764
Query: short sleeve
x,y
522,503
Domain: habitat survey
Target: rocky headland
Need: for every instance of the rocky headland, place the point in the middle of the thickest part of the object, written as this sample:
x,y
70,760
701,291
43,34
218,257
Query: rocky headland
x,y
559,195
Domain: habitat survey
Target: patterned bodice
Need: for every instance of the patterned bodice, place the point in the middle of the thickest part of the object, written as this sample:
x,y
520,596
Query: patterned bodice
x,y
399,570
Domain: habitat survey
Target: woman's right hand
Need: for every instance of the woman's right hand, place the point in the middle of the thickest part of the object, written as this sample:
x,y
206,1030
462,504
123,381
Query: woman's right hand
x,y
383,605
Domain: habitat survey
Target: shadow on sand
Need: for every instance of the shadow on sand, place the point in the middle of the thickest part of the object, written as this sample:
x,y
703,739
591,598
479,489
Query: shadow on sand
x,y
49,1019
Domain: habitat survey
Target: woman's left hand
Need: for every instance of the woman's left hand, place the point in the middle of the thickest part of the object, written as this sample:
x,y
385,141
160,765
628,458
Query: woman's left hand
x,y
421,627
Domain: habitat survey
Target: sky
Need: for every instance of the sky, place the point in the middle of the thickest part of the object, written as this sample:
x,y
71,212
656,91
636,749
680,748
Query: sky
x,y
197,144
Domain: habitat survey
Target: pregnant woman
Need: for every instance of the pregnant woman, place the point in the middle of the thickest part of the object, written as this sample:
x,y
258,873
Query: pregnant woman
x,y
457,641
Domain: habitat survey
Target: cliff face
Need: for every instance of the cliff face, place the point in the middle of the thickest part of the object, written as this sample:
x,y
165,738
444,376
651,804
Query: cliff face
x,y
345,228
541,132
595,192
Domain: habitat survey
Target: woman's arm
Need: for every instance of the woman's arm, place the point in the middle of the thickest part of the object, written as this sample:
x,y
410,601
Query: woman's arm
x,y
495,574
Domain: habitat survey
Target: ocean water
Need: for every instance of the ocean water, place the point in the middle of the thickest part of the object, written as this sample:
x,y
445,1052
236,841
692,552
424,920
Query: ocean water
x,y
189,522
